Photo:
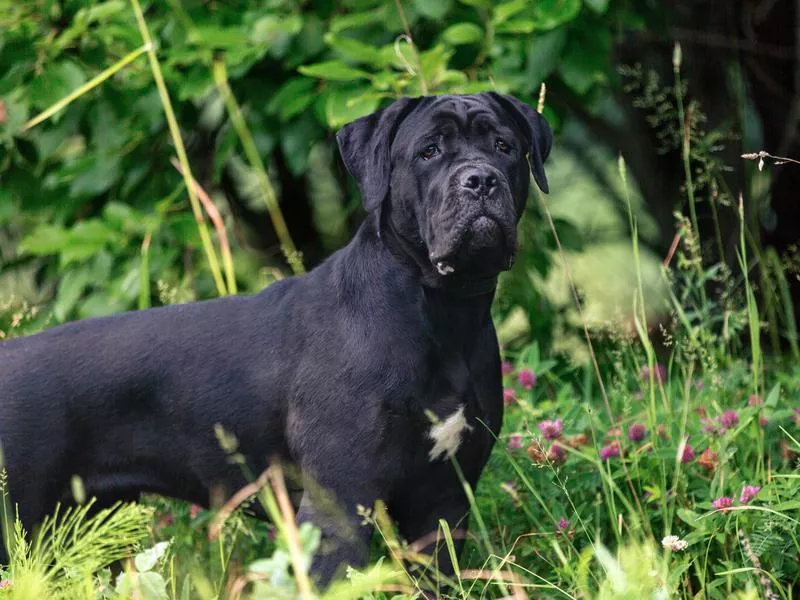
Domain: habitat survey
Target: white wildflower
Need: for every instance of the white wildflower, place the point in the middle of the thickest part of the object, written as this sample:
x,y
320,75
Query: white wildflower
x,y
674,543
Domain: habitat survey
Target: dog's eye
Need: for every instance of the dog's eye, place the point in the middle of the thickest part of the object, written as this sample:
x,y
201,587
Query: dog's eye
x,y
502,146
429,152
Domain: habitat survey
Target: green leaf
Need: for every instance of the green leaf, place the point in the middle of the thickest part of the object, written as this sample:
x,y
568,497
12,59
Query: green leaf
x,y
56,81
516,26
549,14
691,518
144,586
97,177
8,206
773,396
356,51
598,6
100,267
44,240
186,588
216,37
146,560
384,80
506,10
273,30
544,51
433,9
125,219
434,62
103,11
578,68
276,568
293,97
463,33
359,19
297,136
183,227
310,537
87,238
343,106
451,77
70,289
100,304
17,113
130,286
86,16
333,70
451,547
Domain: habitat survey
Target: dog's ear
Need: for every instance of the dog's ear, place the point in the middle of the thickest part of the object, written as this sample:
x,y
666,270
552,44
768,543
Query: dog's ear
x,y
533,125
365,144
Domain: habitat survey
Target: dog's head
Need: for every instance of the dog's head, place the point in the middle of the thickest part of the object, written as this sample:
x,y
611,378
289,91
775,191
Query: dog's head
x,y
450,175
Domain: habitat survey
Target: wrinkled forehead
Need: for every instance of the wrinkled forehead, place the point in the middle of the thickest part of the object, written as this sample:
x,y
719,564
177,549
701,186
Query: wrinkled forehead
x,y
453,116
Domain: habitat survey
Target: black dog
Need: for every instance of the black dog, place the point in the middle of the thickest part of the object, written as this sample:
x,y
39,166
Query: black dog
x,y
337,372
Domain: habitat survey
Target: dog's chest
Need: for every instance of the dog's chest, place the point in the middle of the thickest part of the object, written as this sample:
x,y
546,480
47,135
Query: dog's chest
x,y
453,430
447,435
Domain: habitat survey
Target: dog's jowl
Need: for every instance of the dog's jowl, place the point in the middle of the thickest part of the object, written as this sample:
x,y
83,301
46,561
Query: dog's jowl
x,y
368,375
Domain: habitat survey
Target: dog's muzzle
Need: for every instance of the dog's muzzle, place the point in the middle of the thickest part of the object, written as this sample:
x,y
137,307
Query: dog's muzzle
x,y
479,210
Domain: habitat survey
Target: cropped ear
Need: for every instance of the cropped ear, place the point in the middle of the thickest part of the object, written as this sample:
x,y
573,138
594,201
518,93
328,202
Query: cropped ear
x,y
533,125
364,145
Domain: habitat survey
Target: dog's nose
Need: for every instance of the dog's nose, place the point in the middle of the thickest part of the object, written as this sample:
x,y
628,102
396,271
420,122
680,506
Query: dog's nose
x,y
479,181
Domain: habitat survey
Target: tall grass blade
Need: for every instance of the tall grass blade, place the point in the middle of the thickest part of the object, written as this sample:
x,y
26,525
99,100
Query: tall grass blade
x,y
219,227
292,537
144,274
175,133
787,304
752,308
6,518
451,548
685,128
254,158
86,87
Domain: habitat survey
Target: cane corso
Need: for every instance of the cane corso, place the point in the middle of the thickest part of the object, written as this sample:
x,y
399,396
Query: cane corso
x,y
368,375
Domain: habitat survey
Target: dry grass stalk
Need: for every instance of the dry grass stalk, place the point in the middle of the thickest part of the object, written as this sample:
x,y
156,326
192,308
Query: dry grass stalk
x,y
216,219
289,529
251,489
501,576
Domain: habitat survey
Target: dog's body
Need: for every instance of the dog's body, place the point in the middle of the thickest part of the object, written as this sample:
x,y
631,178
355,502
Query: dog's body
x,y
336,372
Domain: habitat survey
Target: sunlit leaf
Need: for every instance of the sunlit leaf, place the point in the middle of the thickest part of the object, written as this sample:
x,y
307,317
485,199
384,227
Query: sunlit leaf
x,y
343,106
463,33
549,14
506,10
354,50
433,9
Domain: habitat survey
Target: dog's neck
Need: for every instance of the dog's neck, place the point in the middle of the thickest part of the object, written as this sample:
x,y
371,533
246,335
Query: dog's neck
x,y
453,286
458,315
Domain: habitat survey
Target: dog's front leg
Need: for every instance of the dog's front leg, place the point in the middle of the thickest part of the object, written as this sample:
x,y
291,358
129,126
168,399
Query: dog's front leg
x,y
418,519
345,540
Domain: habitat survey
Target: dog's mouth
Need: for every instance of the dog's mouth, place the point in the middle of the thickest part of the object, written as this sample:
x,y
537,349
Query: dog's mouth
x,y
483,245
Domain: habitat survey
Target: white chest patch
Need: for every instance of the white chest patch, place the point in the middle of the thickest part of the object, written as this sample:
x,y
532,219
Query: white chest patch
x,y
447,434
